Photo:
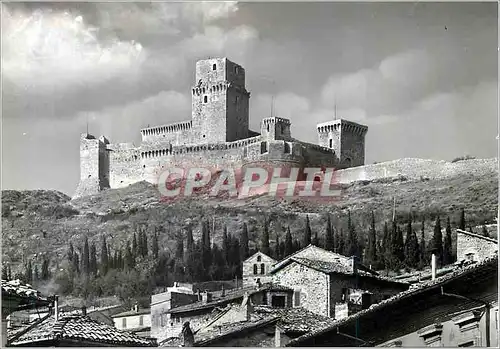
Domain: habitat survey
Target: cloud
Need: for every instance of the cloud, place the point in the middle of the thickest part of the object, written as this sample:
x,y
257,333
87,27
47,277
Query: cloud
x,y
45,49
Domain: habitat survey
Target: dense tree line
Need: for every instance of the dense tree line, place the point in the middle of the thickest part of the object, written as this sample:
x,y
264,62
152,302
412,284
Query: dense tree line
x,y
139,265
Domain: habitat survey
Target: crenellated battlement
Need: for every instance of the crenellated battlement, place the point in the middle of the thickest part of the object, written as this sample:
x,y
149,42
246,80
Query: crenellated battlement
x,y
175,127
337,125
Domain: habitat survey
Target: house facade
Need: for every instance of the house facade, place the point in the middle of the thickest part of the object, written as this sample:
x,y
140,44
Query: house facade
x,y
136,321
256,268
459,309
474,247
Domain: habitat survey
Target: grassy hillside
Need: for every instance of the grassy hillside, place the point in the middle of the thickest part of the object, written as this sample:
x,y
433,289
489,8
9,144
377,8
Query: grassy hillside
x,y
38,223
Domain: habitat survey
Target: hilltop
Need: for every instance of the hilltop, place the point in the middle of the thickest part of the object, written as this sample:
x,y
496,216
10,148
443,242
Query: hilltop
x,y
37,223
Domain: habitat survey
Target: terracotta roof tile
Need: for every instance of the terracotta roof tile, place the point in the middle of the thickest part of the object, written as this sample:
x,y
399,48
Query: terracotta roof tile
x,y
80,328
20,289
416,289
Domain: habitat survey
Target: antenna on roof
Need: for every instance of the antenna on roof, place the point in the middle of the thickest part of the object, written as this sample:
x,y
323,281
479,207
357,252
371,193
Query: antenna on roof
x,y
335,106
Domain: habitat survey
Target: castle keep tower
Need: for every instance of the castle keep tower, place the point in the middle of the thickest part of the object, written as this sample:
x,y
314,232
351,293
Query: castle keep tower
x,y
220,102
346,138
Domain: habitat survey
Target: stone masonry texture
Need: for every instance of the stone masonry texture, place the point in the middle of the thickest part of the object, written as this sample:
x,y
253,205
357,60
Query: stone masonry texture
x,y
217,136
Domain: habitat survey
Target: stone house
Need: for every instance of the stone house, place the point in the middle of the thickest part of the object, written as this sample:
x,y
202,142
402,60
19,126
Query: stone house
x,y
459,309
255,269
136,321
330,284
170,310
474,247
247,325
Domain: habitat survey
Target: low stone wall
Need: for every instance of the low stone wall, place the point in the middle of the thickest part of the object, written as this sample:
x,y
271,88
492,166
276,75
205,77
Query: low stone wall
x,y
416,169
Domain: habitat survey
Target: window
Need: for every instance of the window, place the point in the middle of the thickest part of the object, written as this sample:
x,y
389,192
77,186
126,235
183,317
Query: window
x,y
287,148
236,70
124,322
262,268
255,269
296,297
205,99
259,258
470,256
214,67
263,147
278,301
141,320
267,127
331,143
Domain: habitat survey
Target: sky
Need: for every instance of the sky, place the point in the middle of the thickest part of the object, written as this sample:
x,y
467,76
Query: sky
x,y
422,76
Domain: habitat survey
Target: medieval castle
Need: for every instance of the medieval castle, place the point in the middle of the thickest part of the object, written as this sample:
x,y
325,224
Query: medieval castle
x,y
217,135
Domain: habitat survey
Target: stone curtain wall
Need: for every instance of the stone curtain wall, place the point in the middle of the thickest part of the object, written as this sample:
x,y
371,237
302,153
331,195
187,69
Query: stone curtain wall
x,y
480,247
416,169
124,165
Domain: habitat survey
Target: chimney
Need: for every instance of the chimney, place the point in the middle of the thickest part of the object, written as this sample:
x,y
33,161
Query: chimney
x,y
136,308
223,293
84,311
206,297
199,295
56,307
353,264
433,266
246,306
277,337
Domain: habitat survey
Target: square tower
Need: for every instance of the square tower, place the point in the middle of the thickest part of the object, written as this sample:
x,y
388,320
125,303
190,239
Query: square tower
x,y
347,138
220,102
275,128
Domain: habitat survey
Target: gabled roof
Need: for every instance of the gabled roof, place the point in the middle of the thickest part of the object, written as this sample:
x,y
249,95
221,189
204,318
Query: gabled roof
x,y
335,257
78,328
477,236
470,270
334,268
258,252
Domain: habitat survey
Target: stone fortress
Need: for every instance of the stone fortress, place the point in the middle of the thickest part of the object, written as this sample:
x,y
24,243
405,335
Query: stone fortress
x,y
217,136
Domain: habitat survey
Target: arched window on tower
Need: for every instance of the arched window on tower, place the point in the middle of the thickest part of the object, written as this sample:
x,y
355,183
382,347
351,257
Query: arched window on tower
x,y
214,67
331,143
259,258
263,147
205,99
262,268
255,269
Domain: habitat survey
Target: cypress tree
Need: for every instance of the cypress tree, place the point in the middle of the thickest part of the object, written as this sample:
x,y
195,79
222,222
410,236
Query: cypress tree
x,y
45,274
134,246
412,250
145,243
485,231
206,251
437,241
341,243
28,275
461,225
235,256
86,257
245,251
423,247
296,245
155,247
288,243
264,243
329,241
5,275
277,248
129,258
36,275
189,239
104,256
447,253
371,250
307,233
226,246
179,249
93,259
71,252
352,245
9,273
315,240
